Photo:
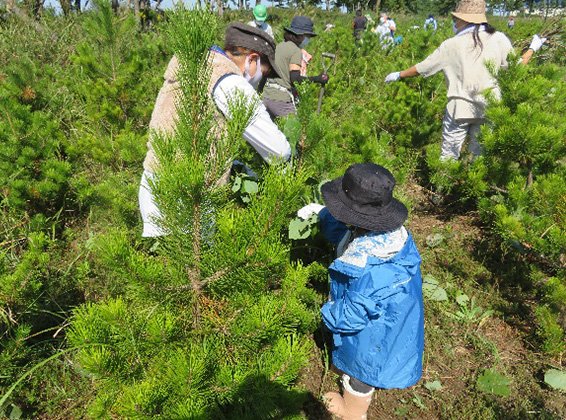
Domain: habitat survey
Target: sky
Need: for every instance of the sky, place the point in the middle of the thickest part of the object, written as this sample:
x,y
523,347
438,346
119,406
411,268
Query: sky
x,y
166,4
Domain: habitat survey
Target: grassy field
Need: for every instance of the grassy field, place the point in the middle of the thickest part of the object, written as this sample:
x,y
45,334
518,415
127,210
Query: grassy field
x,y
76,94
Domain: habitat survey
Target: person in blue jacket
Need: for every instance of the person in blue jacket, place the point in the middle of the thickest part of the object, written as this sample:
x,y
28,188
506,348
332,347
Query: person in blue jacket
x,y
375,311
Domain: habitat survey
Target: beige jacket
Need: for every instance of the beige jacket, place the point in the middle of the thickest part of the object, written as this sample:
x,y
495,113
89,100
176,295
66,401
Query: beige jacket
x,y
164,115
467,76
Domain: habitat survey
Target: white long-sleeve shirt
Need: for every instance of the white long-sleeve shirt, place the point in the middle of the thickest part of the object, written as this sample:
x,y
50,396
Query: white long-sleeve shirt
x,y
464,66
261,133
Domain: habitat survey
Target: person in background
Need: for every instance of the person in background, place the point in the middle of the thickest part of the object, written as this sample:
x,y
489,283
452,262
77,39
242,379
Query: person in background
x,y
430,22
385,30
279,94
511,22
260,17
375,312
463,60
390,24
247,57
359,25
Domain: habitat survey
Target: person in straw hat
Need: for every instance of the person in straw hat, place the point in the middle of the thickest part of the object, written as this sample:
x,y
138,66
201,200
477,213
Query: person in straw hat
x,y
235,71
463,60
375,312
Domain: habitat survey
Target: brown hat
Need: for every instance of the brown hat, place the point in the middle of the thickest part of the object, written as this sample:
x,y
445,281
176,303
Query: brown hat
x,y
471,11
246,36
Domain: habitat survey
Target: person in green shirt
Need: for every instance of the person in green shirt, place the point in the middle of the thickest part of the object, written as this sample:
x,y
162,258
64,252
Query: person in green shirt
x,y
279,95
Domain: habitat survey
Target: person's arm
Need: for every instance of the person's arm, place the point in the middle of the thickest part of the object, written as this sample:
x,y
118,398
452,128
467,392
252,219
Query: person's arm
x,y
332,229
397,75
261,133
351,313
429,66
410,72
536,45
297,78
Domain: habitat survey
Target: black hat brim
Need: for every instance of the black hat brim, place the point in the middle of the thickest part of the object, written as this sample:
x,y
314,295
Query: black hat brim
x,y
378,219
300,32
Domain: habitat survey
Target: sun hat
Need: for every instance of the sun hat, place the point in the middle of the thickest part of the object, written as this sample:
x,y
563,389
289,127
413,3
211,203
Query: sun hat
x,y
471,11
301,25
363,197
246,36
260,13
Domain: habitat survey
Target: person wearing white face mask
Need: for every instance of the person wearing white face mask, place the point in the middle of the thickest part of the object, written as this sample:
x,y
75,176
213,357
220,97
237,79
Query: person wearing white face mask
x,y
280,95
236,70
385,30
463,59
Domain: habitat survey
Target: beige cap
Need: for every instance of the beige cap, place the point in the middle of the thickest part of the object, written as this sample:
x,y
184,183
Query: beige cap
x,y
471,11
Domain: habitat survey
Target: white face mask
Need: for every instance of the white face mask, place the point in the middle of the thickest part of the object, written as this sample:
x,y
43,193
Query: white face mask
x,y
256,78
454,27
382,19
304,42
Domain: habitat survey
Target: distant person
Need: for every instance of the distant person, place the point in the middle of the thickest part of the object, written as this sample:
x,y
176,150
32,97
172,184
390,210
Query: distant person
x,y
376,311
431,23
260,16
511,22
463,60
280,94
390,23
385,30
248,56
359,25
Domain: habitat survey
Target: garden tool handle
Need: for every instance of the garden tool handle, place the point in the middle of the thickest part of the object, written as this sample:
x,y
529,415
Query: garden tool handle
x,y
320,95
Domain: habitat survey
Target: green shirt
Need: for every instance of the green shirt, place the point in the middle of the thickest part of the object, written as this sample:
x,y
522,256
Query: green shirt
x,y
286,53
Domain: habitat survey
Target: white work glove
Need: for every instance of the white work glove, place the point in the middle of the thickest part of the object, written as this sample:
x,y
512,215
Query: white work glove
x,y
536,43
308,210
393,77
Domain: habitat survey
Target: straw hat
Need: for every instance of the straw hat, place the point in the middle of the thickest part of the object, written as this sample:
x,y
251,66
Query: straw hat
x,y
471,11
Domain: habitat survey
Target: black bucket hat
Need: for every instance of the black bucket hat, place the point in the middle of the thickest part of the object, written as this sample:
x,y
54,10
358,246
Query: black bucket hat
x,y
363,197
301,25
246,36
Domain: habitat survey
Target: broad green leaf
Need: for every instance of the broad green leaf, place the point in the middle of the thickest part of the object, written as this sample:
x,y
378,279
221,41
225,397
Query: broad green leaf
x,y
494,383
462,299
299,229
432,290
433,385
292,130
16,413
237,184
249,187
434,240
430,279
556,379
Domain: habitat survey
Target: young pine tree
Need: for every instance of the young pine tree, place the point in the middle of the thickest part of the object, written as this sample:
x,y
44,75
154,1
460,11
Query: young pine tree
x,y
224,333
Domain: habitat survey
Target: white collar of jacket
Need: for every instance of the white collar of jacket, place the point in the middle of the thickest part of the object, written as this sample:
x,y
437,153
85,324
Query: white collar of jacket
x,y
469,29
379,245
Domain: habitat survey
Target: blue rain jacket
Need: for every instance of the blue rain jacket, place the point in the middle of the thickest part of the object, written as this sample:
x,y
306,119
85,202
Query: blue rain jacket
x,y
376,314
